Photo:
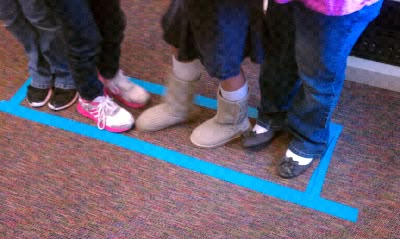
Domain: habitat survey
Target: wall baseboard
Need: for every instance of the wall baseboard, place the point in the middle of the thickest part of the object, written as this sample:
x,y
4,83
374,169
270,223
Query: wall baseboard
x,y
373,73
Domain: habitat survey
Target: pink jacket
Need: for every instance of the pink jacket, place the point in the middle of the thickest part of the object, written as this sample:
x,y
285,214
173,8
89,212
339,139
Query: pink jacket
x,y
331,7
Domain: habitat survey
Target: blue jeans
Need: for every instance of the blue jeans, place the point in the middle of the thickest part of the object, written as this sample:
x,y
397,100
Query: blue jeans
x,y
304,69
93,32
31,22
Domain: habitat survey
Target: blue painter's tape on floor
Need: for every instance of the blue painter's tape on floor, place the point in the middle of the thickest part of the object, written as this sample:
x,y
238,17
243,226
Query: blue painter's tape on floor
x,y
310,198
20,95
317,179
188,162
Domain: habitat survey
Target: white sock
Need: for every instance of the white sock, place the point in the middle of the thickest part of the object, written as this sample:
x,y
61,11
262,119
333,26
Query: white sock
x,y
186,71
235,95
259,129
297,158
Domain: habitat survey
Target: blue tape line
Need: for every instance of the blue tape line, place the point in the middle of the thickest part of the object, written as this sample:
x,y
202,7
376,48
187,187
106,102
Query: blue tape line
x,y
20,95
150,87
309,199
317,179
259,185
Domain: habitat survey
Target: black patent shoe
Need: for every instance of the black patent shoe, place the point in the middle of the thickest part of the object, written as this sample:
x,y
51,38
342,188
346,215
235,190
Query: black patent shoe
x,y
288,168
252,139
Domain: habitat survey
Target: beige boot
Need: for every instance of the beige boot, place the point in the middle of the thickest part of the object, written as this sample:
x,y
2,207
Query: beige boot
x,y
177,106
229,123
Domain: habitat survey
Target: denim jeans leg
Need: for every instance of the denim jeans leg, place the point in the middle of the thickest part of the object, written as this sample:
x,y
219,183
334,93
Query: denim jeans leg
x,y
38,13
82,41
53,49
278,75
111,23
50,40
323,44
24,32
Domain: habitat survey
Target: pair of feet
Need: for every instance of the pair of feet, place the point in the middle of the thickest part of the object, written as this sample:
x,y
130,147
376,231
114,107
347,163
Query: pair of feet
x,y
291,165
56,98
105,112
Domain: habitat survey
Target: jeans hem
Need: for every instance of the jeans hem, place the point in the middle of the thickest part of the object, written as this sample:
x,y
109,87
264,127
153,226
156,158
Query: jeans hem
x,y
65,87
39,83
64,82
273,121
301,153
223,75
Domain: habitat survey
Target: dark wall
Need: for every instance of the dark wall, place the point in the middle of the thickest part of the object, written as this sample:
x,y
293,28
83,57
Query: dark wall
x,y
381,40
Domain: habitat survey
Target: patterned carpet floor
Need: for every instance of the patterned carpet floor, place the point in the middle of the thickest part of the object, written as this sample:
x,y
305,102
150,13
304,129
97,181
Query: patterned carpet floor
x,y
58,184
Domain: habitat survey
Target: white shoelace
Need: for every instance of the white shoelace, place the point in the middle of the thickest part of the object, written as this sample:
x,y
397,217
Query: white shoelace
x,y
104,108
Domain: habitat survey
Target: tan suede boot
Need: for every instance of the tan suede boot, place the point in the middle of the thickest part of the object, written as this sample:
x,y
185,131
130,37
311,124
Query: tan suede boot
x,y
229,123
177,107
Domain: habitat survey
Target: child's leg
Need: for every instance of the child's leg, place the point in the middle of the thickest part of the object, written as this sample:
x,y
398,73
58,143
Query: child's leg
x,y
50,40
231,118
39,91
177,106
111,23
278,78
83,42
197,30
223,46
38,14
234,88
53,51
321,52
17,24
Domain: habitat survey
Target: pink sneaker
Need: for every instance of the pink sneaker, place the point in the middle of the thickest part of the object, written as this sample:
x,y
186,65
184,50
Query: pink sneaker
x,y
106,113
125,91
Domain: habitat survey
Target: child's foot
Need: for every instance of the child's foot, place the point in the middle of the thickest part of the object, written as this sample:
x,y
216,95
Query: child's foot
x,y
38,97
125,91
106,113
257,136
62,99
292,165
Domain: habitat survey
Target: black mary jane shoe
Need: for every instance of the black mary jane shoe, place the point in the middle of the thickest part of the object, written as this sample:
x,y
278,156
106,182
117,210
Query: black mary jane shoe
x,y
288,168
252,139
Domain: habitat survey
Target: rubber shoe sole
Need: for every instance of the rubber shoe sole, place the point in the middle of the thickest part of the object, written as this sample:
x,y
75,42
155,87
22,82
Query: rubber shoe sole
x,y
126,103
119,129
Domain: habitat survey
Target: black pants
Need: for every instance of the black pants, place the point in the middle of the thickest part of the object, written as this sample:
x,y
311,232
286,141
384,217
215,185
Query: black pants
x,y
93,31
